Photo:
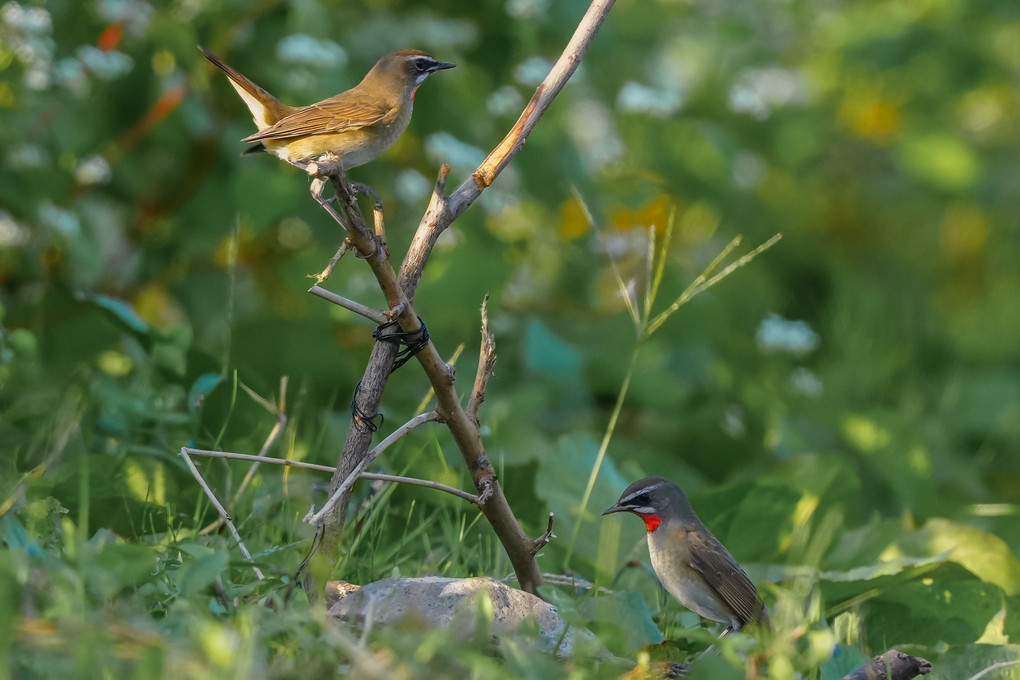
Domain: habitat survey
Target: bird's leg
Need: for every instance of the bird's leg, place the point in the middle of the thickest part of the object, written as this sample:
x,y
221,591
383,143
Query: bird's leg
x,y
711,648
318,184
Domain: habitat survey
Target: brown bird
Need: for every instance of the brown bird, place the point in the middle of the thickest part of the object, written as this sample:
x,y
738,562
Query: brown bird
x,y
689,561
357,125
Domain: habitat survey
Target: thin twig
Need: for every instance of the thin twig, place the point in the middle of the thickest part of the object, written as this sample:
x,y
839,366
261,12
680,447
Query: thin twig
x,y
400,292
356,307
547,536
427,483
558,76
486,362
994,667
281,422
395,436
220,509
333,261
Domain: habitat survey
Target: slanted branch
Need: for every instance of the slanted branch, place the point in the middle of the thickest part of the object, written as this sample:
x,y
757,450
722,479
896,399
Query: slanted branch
x,y
400,289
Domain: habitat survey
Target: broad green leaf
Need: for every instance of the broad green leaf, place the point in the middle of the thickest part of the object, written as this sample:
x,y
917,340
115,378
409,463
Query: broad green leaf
x,y
561,483
118,566
201,388
198,573
838,586
930,611
621,620
122,311
713,667
984,554
751,518
961,663
844,661
547,353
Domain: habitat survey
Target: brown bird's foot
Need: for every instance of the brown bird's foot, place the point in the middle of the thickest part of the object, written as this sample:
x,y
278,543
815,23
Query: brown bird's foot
x,y
326,164
380,247
366,190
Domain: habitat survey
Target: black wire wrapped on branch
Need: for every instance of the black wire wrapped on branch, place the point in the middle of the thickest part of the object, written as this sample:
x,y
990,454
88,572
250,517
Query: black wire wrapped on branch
x,y
410,342
366,419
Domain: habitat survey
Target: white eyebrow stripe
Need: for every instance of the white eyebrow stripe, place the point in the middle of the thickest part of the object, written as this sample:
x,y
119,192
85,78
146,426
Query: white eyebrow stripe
x,y
638,493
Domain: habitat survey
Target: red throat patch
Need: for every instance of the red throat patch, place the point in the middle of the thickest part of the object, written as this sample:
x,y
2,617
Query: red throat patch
x,y
652,522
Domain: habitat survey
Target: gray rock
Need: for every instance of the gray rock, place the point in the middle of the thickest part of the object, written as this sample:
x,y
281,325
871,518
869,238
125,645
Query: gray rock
x,y
458,604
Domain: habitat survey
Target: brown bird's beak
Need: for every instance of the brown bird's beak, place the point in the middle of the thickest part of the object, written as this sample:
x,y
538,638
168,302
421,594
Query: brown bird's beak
x,y
615,507
441,66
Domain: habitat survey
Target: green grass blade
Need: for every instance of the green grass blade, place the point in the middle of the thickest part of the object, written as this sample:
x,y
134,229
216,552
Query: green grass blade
x,y
703,282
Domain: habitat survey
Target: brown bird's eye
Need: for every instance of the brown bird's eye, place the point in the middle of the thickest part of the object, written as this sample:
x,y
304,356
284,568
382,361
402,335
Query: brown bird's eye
x,y
422,65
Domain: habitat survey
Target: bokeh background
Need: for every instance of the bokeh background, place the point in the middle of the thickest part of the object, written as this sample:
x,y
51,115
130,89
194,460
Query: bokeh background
x,y
849,398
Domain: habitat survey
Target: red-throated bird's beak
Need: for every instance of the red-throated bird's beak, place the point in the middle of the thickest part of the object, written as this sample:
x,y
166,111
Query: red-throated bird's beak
x,y
613,508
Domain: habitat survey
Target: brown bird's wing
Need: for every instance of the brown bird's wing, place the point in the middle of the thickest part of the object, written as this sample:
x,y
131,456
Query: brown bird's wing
x,y
347,111
265,108
723,575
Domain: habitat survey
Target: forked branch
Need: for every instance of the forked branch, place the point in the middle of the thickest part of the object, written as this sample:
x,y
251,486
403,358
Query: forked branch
x,y
400,291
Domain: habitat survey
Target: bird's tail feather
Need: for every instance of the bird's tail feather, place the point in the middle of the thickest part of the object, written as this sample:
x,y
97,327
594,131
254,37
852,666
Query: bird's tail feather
x,y
265,108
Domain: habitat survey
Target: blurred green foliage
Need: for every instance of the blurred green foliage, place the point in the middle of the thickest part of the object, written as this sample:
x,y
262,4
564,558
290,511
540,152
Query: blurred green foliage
x,y
844,411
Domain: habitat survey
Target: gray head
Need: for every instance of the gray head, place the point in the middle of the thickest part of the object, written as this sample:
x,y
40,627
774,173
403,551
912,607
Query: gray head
x,y
655,497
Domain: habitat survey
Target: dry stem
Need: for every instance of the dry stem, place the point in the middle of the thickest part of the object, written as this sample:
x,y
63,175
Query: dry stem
x,y
443,209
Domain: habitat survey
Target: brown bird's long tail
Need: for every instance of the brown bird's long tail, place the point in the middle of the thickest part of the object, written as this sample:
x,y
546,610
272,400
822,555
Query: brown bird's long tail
x,y
265,108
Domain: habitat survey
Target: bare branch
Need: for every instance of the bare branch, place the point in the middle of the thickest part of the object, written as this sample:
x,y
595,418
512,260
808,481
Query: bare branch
x,y
350,305
893,665
544,539
281,422
994,667
395,436
427,483
558,76
486,362
442,211
334,261
400,292
220,509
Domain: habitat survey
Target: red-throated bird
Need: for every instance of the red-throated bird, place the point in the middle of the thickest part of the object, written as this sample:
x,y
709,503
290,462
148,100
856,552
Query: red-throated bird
x,y
690,562
357,125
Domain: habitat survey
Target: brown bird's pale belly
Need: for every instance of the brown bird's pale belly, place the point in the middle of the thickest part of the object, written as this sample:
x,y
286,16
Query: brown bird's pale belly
x,y
683,582
354,147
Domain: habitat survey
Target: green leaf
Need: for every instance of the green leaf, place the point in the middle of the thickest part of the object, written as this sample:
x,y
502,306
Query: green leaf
x,y
965,662
984,554
715,668
561,483
200,572
118,566
844,661
622,621
201,388
938,609
838,586
546,353
750,518
121,311
943,160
